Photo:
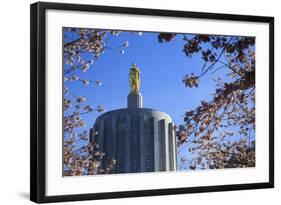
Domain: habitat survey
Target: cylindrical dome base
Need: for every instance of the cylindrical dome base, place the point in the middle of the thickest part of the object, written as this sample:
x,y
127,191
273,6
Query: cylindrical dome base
x,y
140,140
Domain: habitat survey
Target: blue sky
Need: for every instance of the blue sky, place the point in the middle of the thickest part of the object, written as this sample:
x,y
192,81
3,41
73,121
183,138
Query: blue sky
x,y
162,66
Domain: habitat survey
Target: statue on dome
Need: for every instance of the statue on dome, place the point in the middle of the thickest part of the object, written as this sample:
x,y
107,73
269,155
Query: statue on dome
x,y
134,79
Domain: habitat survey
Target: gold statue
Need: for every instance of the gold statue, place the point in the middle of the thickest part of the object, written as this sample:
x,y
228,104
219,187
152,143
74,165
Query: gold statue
x,y
134,79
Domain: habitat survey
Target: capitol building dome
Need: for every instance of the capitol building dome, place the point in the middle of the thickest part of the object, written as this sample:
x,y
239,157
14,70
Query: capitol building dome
x,y
138,139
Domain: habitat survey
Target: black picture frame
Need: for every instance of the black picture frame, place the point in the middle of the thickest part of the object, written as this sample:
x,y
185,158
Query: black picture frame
x,y
38,101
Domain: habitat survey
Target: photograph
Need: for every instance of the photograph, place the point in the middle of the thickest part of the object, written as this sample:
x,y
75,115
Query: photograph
x,y
142,101
133,102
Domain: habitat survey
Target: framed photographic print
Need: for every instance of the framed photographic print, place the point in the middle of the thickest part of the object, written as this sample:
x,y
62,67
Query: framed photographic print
x,y
129,102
